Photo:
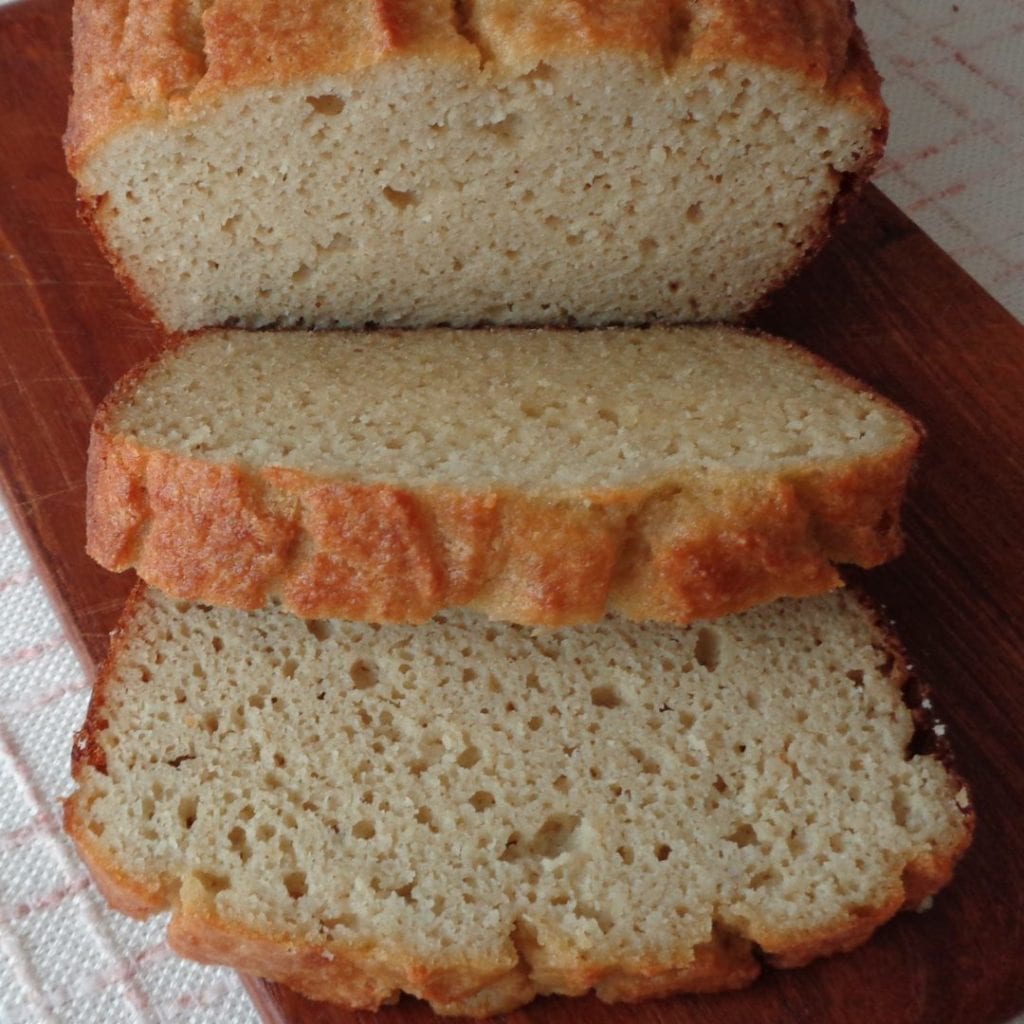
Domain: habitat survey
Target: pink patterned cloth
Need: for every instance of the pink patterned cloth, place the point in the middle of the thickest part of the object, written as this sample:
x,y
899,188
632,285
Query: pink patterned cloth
x,y
955,83
954,80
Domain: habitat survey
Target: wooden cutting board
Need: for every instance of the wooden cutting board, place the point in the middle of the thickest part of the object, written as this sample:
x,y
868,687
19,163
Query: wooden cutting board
x,y
882,301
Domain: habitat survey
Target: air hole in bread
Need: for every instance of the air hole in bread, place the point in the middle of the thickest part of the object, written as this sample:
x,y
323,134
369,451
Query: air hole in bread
x,y
481,800
295,883
603,920
211,882
468,757
605,697
320,628
742,836
542,72
364,674
327,104
364,829
706,650
187,808
507,129
513,848
647,764
555,836
399,199
239,840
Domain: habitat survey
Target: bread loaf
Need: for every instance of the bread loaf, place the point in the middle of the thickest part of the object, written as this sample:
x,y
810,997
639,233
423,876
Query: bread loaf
x,y
540,476
476,813
257,162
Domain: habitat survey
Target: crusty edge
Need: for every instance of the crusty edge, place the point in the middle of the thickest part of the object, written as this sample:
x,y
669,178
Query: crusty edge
x,y
87,207
864,89
118,82
695,547
921,877
129,894
365,978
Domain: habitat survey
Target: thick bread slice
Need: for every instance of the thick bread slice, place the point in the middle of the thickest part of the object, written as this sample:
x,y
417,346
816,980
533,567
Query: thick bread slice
x,y
476,813
504,161
539,476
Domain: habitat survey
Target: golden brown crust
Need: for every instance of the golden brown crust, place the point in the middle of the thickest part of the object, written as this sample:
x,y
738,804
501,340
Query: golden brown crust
x,y
137,62
694,548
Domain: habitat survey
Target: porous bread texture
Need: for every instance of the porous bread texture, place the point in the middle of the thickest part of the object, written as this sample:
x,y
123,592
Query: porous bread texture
x,y
539,476
476,813
383,162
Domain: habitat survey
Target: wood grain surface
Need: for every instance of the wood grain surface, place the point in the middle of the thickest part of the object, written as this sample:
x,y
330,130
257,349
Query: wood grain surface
x,y
881,301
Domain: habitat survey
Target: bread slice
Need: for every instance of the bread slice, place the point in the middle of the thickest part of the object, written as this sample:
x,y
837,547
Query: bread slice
x,y
416,163
541,476
476,813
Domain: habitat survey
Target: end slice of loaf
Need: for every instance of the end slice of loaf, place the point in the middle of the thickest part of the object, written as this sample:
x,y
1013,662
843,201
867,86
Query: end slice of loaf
x,y
539,476
396,163
475,813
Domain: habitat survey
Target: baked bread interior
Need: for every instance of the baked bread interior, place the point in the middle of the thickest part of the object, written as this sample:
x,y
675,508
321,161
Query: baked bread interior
x,y
540,476
475,813
395,163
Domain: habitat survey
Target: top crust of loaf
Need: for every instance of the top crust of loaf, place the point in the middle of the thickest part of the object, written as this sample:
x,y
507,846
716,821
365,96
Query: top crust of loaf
x,y
159,60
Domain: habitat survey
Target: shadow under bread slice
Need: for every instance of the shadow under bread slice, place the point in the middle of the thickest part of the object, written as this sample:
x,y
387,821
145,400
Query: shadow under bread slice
x,y
476,813
537,476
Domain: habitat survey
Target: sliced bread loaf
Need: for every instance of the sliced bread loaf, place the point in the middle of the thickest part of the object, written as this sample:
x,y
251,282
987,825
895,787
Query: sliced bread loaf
x,y
426,162
475,813
540,476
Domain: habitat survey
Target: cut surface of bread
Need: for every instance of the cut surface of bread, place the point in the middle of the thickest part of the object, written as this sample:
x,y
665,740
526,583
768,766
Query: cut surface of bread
x,y
476,813
381,161
540,476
